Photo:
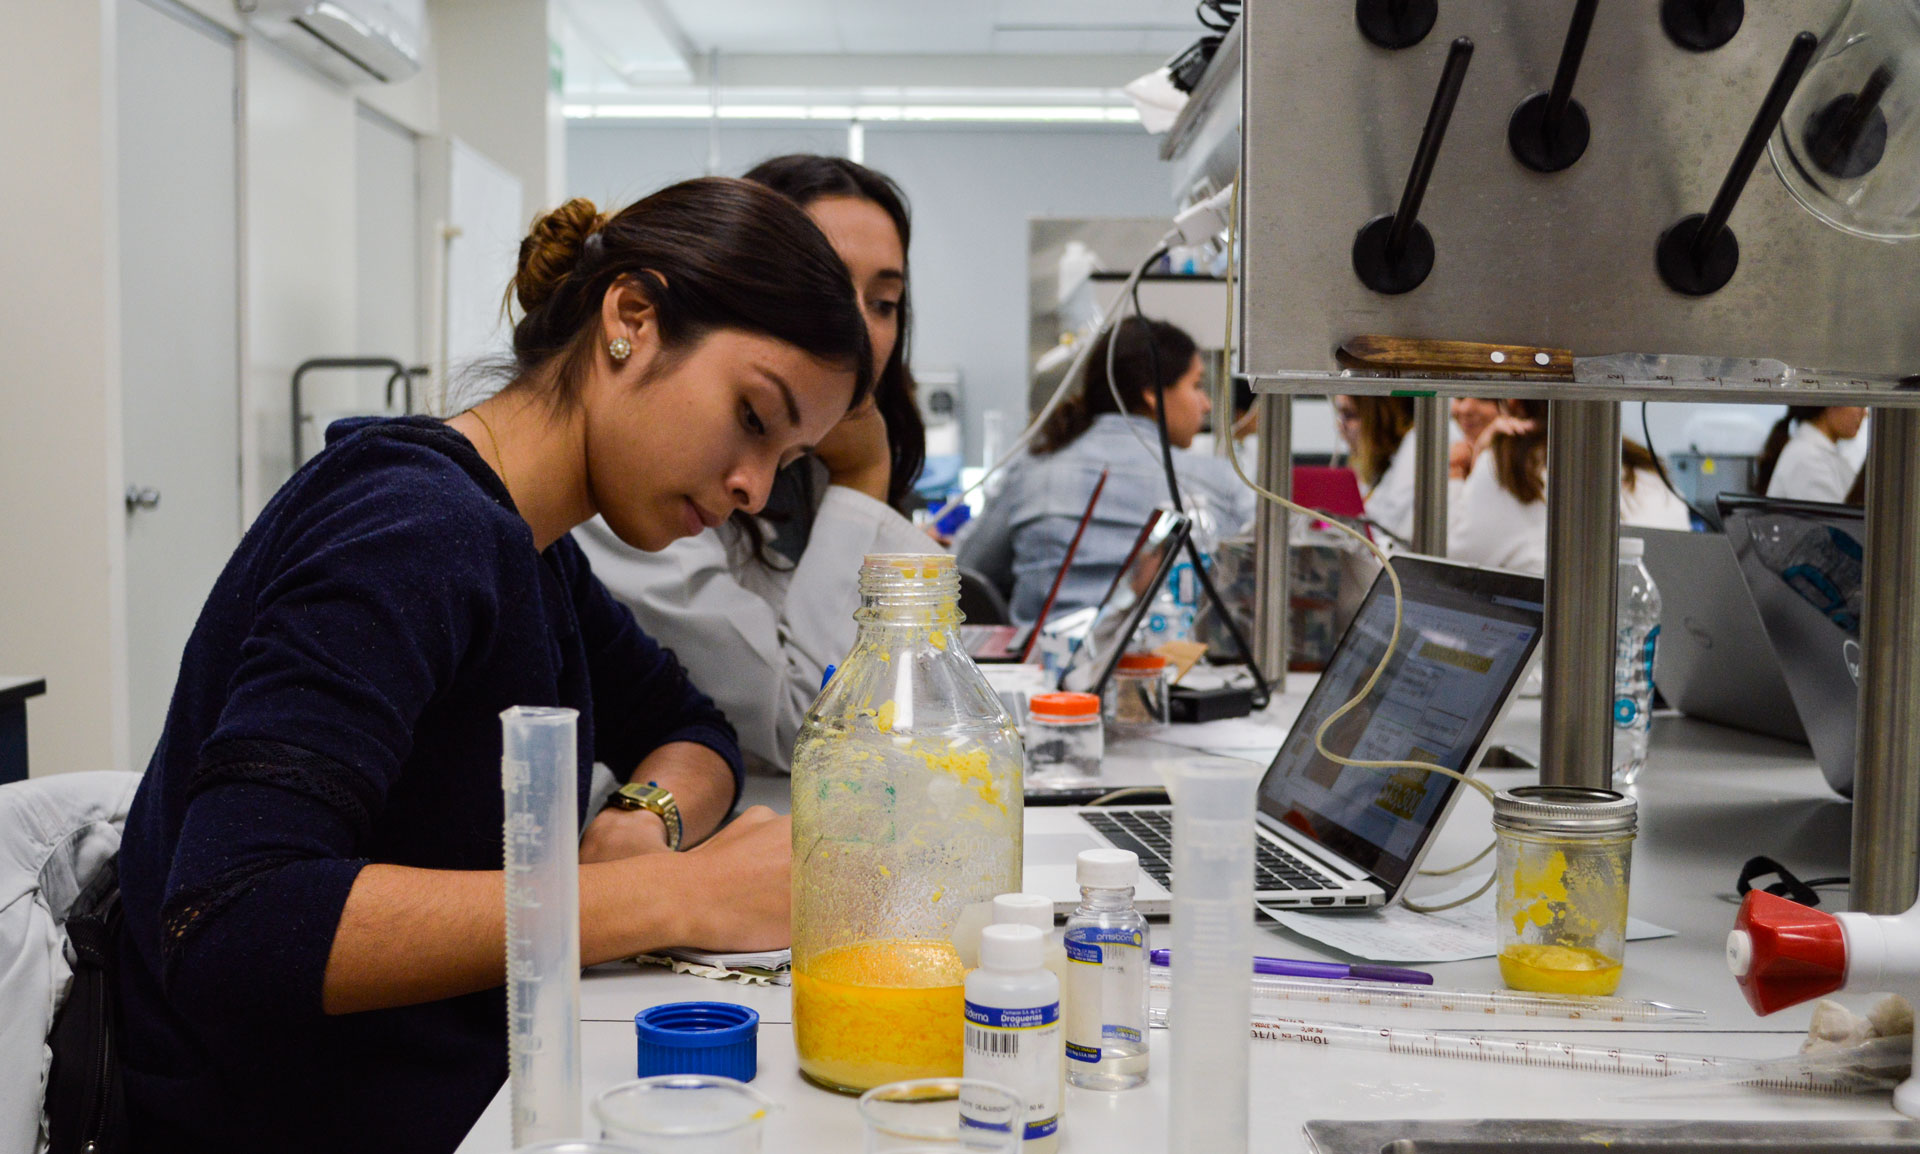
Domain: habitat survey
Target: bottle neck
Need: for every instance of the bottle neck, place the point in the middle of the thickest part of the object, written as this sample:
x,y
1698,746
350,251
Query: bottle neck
x,y
1106,899
906,592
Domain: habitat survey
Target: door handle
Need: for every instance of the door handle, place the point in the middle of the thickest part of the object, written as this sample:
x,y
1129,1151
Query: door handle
x,y
142,497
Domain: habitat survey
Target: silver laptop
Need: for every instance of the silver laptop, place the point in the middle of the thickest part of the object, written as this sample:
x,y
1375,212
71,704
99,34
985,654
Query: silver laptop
x,y
1713,661
1803,563
1332,836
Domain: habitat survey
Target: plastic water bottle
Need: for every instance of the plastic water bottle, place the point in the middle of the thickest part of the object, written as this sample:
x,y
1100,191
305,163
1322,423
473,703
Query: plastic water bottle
x,y
1637,633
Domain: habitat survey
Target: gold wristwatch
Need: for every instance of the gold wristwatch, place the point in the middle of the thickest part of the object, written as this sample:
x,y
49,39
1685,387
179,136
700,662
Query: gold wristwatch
x,y
653,799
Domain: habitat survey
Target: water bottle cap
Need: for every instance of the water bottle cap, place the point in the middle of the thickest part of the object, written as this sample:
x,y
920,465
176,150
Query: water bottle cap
x,y
1632,548
1033,910
1011,949
1107,869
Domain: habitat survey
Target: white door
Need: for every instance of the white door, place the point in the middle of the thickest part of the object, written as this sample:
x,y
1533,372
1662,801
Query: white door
x,y
179,325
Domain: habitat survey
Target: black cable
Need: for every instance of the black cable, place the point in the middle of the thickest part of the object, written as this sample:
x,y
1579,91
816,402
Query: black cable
x,y
1261,694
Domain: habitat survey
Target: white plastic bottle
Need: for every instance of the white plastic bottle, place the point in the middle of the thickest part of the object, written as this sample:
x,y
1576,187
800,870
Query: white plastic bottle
x,y
1107,972
1013,1031
1637,633
1036,910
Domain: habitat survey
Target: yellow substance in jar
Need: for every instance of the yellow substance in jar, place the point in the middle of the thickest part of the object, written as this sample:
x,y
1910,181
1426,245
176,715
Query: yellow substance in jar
x,y
878,1012
1548,885
883,717
1559,970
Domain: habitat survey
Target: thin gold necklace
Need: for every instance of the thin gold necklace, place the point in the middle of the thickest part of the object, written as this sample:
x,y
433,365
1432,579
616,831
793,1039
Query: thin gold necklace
x,y
495,442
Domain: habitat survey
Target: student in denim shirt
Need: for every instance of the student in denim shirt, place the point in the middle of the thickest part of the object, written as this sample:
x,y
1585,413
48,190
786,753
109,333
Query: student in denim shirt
x,y
1021,539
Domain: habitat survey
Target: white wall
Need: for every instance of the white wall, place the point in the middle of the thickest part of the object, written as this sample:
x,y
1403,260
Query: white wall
x,y
62,540
972,190
497,91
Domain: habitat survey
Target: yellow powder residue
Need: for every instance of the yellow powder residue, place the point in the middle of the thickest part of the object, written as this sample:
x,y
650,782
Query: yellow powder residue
x,y
878,1012
1559,970
973,768
1548,884
883,717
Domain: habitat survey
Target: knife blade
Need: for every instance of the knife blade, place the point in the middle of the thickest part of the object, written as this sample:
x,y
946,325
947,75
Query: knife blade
x,y
1527,362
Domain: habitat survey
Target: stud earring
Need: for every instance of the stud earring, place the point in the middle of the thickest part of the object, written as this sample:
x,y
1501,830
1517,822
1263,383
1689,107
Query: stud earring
x,y
619,348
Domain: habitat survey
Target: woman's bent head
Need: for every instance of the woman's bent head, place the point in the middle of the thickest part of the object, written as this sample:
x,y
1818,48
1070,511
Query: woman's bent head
x,y
703,337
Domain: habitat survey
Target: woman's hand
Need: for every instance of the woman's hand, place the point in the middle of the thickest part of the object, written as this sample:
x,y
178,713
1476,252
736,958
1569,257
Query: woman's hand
x,y
745,874
1460,460
617,833
1503,425
857,454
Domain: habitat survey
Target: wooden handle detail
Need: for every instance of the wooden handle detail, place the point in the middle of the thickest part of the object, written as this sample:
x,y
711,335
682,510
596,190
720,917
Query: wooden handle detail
x,y
1464,358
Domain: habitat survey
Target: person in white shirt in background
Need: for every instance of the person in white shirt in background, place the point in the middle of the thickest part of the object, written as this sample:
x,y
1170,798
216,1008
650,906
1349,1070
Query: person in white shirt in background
x,y
1805,463
757,608
1498,514
1379,432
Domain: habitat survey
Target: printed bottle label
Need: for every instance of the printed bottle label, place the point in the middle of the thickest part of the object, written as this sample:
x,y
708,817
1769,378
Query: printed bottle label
x,y
1107,969
1019,1048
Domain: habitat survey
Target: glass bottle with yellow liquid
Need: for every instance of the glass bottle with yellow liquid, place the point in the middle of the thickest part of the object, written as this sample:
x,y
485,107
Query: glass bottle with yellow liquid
x,y
906,810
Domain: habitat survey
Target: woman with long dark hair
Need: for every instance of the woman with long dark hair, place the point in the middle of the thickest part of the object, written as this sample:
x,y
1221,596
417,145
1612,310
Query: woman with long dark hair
x,y
1378,433
1497,516
313,952
1802,457
757,608
1109,424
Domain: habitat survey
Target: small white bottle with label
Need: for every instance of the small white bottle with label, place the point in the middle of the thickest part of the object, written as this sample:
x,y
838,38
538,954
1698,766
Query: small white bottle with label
x,y
1106,944
1013,1032
1036,910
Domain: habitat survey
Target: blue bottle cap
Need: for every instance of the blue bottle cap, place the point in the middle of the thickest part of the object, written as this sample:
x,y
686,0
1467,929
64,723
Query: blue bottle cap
x,y
698,1038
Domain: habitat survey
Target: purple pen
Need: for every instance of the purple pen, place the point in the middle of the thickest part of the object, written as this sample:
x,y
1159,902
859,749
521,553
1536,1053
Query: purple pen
x,y
1296,968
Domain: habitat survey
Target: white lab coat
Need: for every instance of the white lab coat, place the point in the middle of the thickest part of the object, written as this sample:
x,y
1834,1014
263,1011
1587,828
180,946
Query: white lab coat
x,y
1488,526
1390,502
1649,504
1811,468
754,638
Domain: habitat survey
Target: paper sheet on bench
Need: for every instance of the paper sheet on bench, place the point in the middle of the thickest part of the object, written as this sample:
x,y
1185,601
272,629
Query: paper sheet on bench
x,y
1397,934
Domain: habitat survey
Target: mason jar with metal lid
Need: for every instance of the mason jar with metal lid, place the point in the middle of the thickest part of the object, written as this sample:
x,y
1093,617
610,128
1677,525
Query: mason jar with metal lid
x,y
1565,854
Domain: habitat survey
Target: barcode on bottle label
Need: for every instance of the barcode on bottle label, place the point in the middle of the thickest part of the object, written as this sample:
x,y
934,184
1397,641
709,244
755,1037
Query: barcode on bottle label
x,y
1018,1048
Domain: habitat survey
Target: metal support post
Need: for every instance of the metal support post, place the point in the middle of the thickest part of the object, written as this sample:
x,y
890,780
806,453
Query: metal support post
x,y
1583,530
1270,537
1430,476
1886,774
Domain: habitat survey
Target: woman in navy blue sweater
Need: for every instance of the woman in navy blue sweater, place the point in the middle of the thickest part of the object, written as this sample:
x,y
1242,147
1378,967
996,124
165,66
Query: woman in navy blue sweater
x,y
313,951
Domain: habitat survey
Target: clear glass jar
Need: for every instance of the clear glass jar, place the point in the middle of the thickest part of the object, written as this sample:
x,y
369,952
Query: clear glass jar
x,y
1137,699
1565,854
906,809
1065,740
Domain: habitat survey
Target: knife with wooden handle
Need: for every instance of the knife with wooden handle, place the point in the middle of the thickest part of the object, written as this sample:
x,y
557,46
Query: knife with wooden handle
x,y
1408,355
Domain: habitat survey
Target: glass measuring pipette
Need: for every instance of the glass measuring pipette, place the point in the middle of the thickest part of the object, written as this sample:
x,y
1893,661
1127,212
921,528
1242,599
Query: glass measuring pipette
x,y
1801,1073
1514,1003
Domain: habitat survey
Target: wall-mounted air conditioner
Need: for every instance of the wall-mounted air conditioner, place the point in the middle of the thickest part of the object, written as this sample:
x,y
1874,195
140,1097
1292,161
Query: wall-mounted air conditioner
x,y
356,41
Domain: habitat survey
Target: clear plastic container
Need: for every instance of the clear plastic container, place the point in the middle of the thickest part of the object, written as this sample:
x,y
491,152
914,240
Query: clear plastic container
x,y
1212,996
906,810
1565,855
1106,942
923,1116
1137,699
540,777
684,1114
1638,632
1065,740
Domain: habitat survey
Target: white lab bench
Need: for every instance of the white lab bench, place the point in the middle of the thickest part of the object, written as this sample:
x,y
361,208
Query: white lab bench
x,y
1709,799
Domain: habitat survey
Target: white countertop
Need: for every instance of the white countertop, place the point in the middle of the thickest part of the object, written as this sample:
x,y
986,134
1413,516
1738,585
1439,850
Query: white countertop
x,y
1710,798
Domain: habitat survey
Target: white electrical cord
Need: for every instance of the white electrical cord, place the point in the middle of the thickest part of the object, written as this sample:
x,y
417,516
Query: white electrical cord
x,y
1067,381
1393,640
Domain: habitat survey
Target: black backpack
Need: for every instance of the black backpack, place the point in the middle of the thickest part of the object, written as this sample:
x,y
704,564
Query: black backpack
x,y
86,1104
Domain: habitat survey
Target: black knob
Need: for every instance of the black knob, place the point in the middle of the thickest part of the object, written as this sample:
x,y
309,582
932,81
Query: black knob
x,y
1394,253
1549,130
1396,23
1698,254
1701,25
1848,137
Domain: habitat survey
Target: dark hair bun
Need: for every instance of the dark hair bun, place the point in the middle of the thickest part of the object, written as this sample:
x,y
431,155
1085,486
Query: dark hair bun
x,y
551,251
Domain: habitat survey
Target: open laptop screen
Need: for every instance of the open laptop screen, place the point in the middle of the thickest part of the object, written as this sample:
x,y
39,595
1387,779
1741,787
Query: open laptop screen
x,y
1466,637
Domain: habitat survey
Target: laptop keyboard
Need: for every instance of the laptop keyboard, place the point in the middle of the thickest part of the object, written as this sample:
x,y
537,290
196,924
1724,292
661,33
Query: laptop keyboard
x,y
1149,834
